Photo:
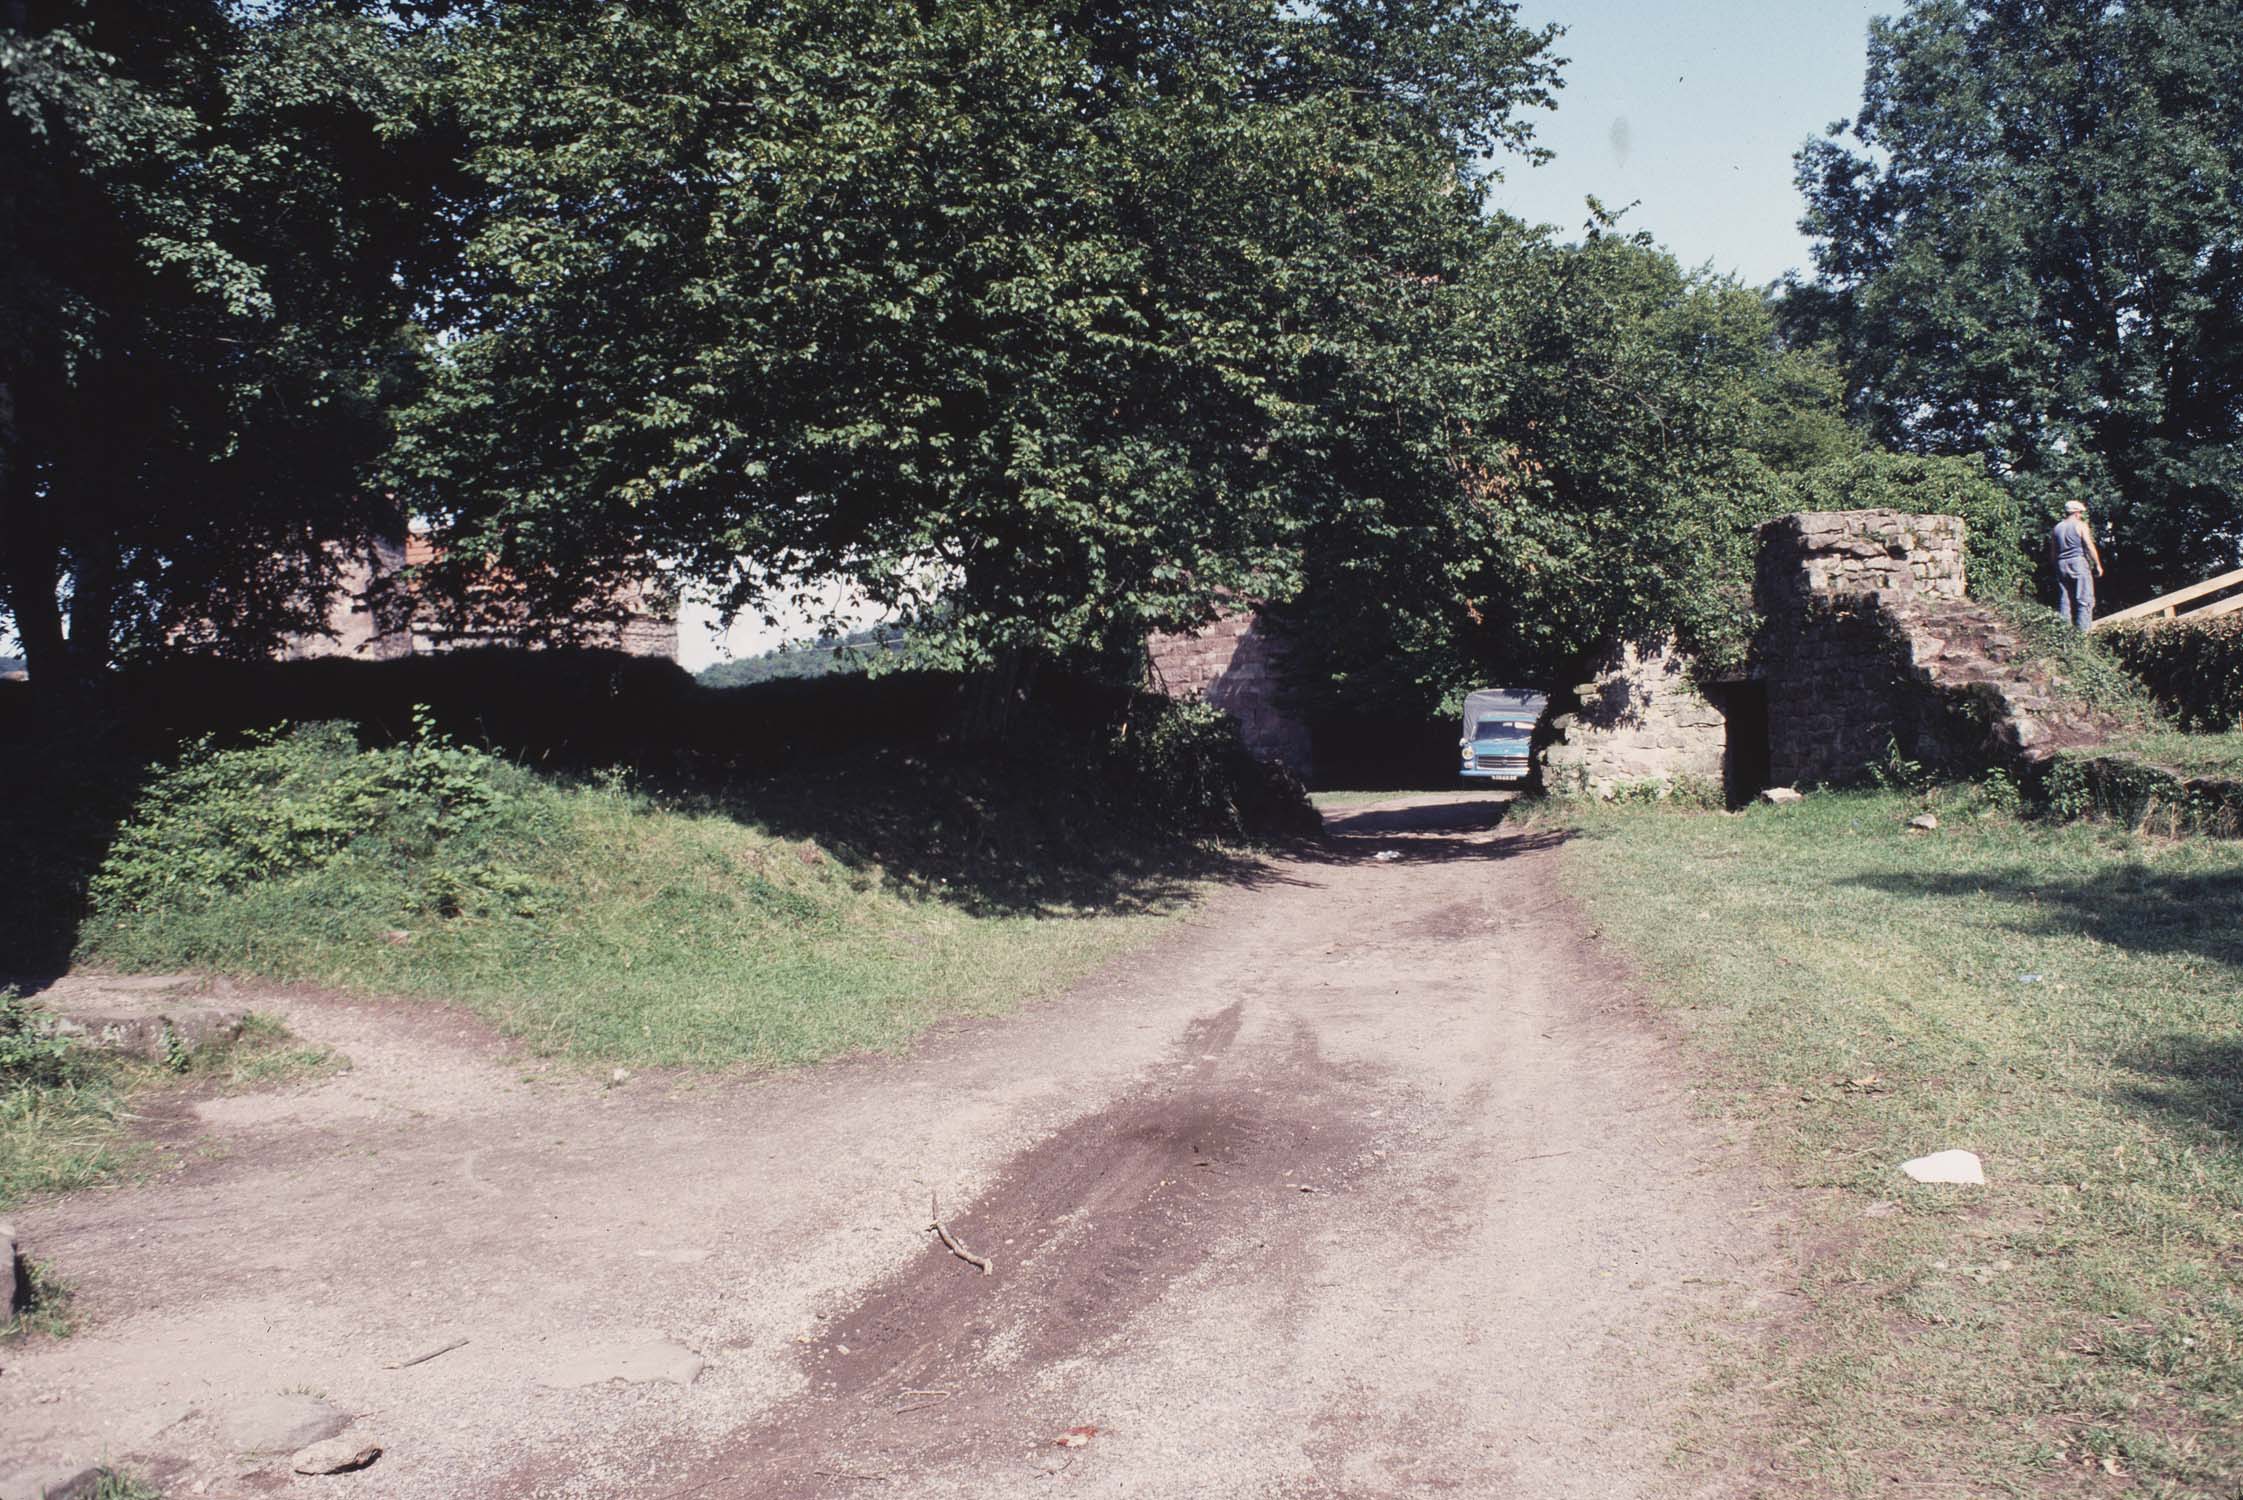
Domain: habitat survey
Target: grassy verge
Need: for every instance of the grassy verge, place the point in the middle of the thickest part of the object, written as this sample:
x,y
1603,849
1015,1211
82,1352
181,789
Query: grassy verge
x,y
2185,753
766,925
2061,1000
66,1110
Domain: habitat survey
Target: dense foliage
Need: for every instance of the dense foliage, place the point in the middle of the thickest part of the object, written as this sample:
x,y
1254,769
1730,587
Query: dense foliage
x,y
210,217
2193,668
295,802
1593,469
2032,249
1048,312
1046,325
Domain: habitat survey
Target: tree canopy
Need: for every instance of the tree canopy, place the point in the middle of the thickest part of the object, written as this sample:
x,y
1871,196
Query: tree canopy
x,y
1038,310
1042,325
2030,242
209,234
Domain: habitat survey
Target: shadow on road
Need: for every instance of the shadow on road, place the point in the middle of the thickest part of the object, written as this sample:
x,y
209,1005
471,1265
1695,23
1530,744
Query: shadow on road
x,y
1429,833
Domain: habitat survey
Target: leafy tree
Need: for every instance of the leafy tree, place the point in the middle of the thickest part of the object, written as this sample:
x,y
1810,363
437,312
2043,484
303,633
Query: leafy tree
x,y
1602,433
208,222
2032,248
1039,309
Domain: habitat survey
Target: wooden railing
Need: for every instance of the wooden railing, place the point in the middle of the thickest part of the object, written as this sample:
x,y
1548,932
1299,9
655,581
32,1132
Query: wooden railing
x,y
2169,606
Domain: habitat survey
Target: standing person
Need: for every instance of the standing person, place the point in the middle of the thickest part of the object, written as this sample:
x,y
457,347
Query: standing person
x,y
2071,547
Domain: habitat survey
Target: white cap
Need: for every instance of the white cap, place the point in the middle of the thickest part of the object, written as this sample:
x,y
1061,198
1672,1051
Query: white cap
x,y
2075,507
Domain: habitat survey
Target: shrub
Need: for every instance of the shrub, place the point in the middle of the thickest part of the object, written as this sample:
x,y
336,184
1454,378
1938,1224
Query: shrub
x,y
31,1055
1183,764
1998,558
2193,668
296,800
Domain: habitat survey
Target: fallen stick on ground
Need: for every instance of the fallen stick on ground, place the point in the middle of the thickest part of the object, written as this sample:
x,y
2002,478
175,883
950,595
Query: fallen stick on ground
x,y
934,1211
422,1359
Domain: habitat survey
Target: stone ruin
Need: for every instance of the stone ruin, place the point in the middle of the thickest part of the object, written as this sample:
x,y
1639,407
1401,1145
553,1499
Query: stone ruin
x,y
1867,651
1641,722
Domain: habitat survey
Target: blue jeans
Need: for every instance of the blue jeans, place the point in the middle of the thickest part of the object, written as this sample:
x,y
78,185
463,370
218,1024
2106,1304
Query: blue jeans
x,y
2075,593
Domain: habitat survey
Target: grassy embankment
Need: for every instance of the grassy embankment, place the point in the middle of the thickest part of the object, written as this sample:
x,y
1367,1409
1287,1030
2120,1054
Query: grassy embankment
x,y
2064,1000
749,922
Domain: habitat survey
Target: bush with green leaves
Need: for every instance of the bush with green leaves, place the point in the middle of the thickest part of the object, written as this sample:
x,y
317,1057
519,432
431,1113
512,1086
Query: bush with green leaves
x,y
31,1054
1183,765
297,801
2194,669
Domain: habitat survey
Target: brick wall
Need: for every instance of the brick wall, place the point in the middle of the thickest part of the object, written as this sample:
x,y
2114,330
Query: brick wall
x,y
1234,663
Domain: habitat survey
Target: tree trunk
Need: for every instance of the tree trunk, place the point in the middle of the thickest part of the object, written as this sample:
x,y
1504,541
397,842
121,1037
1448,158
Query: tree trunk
x,y
93,606
31,575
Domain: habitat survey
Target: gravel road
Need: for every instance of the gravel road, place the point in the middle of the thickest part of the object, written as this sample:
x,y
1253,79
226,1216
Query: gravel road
x,y
1370,1180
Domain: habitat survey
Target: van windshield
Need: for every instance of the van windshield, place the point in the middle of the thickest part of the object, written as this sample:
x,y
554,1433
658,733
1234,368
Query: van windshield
x,y
1501,729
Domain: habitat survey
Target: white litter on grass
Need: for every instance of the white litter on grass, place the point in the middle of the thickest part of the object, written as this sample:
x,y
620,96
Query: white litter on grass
x,y
1386,854
1959,1167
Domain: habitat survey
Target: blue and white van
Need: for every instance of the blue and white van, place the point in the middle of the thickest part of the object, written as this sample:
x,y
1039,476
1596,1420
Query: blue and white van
x,y
1499,733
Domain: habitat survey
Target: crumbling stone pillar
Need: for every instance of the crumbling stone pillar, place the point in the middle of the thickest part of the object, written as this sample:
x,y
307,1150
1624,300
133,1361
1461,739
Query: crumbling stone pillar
x,y
1641,723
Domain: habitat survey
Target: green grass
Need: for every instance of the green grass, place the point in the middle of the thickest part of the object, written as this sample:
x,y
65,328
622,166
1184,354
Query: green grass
x,y
605,925
72,1128
2062,1000
2188,754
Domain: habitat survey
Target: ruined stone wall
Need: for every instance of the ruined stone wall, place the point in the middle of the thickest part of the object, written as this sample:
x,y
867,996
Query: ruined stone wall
x,y
1870,652
1641,723
1233,663
1837,592
1822,553
363,622
373,618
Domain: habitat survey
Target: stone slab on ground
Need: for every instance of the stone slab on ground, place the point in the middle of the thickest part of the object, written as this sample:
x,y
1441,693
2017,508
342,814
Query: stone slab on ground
x,y
281,1424
1958,1168
141,1015
633,1364
335,1455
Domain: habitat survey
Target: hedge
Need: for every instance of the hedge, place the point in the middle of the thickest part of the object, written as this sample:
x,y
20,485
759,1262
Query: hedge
x,y
2194,669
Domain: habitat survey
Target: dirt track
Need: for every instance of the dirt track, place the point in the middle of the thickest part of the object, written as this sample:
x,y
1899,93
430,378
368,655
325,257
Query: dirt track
x,y
1373,1182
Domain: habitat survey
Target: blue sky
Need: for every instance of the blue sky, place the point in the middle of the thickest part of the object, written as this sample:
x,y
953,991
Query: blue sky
x,y
1695,109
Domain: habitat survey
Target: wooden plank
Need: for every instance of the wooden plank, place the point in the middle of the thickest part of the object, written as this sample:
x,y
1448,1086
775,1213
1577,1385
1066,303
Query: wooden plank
x,y
2224,607
2166,604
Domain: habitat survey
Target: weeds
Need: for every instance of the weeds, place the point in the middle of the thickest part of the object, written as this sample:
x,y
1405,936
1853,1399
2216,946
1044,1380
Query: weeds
x,y
46,1307
64,1114
117,1484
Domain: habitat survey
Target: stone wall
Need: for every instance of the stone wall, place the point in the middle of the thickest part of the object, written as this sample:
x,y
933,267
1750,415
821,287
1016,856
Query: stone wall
x,y
1233,663
376,616
1641,723
1821,553
363,622
1870,652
